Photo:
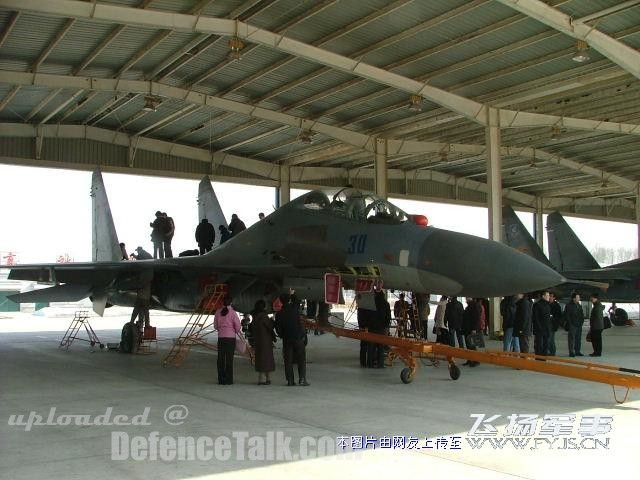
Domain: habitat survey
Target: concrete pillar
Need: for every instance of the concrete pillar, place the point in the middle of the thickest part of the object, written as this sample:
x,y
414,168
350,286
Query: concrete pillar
x,y
494,199
284,187
381,167
638,216
538,226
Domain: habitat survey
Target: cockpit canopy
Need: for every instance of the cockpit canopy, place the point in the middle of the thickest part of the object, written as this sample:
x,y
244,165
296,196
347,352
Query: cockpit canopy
x,y
355,205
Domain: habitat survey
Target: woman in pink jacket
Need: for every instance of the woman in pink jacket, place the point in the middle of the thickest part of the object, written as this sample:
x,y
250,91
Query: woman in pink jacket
x,y
227,323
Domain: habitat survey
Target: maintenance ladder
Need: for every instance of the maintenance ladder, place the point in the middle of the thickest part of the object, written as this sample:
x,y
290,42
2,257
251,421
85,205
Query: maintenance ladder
x,y
80,319
198,326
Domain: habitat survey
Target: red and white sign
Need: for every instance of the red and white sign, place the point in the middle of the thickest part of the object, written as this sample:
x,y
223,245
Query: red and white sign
x,y
332,286
367,284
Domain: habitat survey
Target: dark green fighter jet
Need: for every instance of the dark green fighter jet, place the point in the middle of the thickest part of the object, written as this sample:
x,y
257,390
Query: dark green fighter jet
x,y
358,236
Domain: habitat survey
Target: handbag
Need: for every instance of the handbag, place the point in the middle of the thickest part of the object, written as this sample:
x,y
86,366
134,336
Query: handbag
x,y
474,340
588,339
241,345
607,322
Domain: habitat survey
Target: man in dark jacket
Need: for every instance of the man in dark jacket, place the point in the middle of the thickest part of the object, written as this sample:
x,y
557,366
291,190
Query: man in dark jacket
x,y
157,235
472,324
379,323
556,322
236,226
170,230
205,236
142,254
289,327
453,321
574,318
225,234
596,322
541,319
364,322
522,326
511,342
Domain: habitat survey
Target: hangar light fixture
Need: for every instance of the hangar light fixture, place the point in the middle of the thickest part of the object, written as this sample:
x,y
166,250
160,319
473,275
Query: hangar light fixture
x,y
150,103
235,46
415,103
581,54
306,136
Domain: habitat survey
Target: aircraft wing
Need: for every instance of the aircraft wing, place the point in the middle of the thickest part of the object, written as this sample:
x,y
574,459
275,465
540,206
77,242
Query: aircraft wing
x,y
599,274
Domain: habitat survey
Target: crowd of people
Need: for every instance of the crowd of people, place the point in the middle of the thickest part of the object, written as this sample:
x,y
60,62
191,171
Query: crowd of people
x,y
264,331
541,316
163,230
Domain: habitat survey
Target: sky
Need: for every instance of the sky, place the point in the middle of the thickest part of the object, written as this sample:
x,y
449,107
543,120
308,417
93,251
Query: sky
x,y
46,213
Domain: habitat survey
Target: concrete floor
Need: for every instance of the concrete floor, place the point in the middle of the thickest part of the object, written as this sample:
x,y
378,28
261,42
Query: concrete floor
x,y
343,400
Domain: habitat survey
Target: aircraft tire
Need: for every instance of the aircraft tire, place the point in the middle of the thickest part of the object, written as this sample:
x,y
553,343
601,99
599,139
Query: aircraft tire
x,y
406,375
454,371
621,317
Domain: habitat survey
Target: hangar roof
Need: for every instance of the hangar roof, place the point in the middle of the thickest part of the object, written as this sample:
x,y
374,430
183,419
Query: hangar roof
x,y
319,83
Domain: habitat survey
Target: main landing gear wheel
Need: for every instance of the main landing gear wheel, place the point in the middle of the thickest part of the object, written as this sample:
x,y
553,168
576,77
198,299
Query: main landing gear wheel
x,y
454,371
406,375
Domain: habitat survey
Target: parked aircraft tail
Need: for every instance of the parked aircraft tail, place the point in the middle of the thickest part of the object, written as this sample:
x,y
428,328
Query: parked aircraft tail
x,y
104,245
566,251
209,207
518,237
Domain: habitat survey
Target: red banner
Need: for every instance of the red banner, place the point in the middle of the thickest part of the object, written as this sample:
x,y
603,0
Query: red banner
x,y
332,285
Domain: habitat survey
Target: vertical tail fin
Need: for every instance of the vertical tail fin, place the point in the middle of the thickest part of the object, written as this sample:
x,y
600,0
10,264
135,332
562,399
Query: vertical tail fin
x,y
517,236
209,207
105,245
566,251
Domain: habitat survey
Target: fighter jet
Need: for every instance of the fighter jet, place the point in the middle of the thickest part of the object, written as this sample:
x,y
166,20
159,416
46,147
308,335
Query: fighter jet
x,y
356,235
568,254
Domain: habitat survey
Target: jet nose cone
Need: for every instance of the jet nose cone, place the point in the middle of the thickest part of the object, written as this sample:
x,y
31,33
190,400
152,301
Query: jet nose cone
x,y
483,268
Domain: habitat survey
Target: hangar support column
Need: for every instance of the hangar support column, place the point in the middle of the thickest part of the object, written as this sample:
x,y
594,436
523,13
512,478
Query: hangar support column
x,y
494,199
381,167
538,227
284,187
638,215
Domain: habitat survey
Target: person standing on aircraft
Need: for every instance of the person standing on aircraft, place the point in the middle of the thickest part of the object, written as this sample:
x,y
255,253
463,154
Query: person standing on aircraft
x,y
596,323
157,235
510,342
442,334
471,325
293,333
225,234
574,318
142,254
556,322
205,236
541,319
236,226
170,230
264,336
522,325
123,252
453,316
261,216
227,323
